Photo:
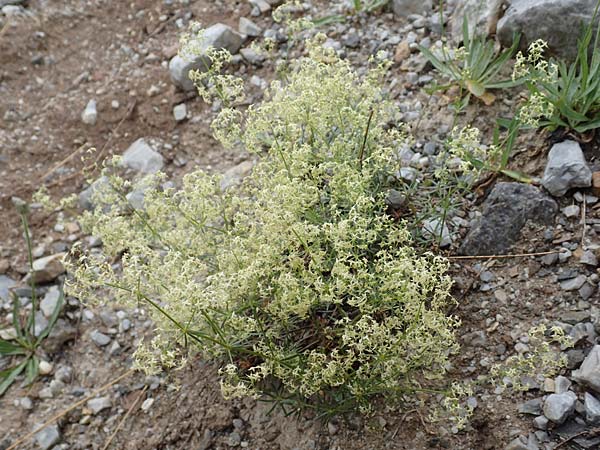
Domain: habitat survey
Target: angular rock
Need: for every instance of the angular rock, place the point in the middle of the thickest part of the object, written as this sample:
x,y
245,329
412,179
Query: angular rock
x,y
86,197
11,2
573,284
533,407
482,17
517,444
90,114
235,175
541,422
437,231
558,22
99,404
404,8
218,36
589,258
589,372
47,269
571,211
566,169
558,407
141,157
49,302
100,339
6,283
249,28
48,437
180,112
252,56
592,408
561,384
262,5
506,210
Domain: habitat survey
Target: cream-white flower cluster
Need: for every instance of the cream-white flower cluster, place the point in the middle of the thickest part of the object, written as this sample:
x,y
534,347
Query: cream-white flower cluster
x,y
298,282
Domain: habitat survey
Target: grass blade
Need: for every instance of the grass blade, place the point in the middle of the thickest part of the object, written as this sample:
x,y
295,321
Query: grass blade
x,y
8,348
10,375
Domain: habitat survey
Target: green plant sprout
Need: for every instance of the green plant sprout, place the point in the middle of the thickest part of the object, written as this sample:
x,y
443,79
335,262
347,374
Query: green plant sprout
x,y
473,67
27,342
563,95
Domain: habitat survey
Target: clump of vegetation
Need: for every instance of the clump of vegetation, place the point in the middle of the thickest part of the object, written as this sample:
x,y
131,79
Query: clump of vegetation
x,y
299,284
474,67
28,338
562,95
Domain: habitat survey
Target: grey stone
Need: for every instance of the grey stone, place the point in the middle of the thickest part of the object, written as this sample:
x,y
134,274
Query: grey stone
x,y
47,269
589,372
97,405
235,175
147,404
482,17
404,8
589,258
252,56
141,157
571,211
517,444
11,2
549,260
90,113
566,169
572,284
476,338
86,197
533,407
13,11
64,374
249,28
561,384
49,302
506,210
395,199
48,437
262,5
6,283
351,40
586,291
592,408
558,22
100,339
219,36
541,422
557,407
180,112
437,230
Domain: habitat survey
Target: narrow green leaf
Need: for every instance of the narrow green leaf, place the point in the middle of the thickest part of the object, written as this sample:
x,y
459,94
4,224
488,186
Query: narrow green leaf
x,y
11,375
32,370
8,348
521,177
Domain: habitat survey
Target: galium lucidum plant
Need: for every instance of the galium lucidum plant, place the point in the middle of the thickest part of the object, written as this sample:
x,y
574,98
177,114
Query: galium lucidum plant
x,y
298,284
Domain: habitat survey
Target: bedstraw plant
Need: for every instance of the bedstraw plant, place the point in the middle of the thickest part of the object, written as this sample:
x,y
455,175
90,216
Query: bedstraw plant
x,y
298,284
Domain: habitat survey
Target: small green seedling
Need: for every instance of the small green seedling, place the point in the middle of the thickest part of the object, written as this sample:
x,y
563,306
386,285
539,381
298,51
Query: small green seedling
x,y
473,67
26,344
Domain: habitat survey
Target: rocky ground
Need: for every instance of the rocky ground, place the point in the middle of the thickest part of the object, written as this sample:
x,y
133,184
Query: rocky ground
x,y
77,74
